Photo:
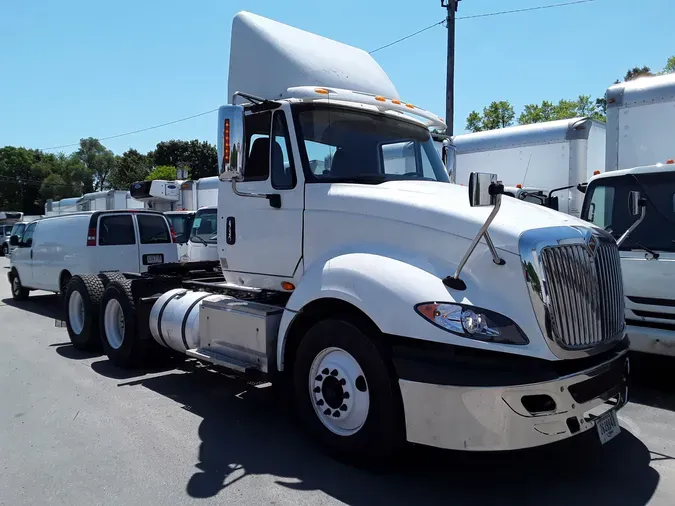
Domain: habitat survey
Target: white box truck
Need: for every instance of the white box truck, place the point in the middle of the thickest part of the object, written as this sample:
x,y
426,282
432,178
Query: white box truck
x,y
635,201
190,207
393,306
535,159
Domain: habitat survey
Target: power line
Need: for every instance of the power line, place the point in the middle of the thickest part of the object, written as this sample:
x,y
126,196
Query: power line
x,y
135,131
474,16
407,37
526,9
485,15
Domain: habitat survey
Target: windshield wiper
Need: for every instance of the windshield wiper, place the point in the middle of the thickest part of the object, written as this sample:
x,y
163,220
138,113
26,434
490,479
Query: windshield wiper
x,y
640,246
199,239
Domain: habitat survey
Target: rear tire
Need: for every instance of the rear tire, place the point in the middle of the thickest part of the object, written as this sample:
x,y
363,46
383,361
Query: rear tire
x,y
5,250
82,298
19,293
121,342
345,395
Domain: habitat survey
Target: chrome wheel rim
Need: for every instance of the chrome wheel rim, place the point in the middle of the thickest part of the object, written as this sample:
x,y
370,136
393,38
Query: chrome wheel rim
x,y
113,323
16,285
339,391
76,312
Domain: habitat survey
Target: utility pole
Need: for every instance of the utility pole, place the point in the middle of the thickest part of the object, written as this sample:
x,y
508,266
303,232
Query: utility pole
x,y
451,6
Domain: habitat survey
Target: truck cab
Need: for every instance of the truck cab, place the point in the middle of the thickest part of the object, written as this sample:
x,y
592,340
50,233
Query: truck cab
x,y
646,236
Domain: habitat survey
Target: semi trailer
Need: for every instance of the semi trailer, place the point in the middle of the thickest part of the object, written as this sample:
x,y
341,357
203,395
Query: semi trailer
x,y
393,305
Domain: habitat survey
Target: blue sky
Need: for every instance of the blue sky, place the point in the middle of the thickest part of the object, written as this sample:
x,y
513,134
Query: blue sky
x,y
75,68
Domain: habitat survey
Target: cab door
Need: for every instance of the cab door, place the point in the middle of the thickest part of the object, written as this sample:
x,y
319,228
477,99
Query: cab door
x,y
22,256
259,239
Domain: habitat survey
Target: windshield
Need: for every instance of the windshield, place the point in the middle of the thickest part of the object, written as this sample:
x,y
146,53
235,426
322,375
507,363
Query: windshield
x,y
351,146
181,225
204,228
17,229
606,206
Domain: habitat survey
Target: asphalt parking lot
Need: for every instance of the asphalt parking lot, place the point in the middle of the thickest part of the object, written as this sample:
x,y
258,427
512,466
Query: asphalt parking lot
x,y
75,430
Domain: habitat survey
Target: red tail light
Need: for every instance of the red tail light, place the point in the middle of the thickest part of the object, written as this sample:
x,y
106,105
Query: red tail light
x,y
91,237
173,235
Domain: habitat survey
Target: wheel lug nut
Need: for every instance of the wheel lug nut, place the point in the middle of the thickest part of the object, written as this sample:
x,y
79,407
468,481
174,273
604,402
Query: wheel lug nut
x,y
334,372
319,402
325,371
343,382
317,390
343,407
319,378
327,412
345,395
336,414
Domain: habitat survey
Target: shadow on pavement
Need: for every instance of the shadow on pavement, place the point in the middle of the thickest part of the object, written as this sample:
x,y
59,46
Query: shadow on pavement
x,y
67,350
246,431
652,380
47,305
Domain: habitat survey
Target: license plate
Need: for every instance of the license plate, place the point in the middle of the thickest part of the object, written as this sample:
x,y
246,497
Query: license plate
x,y
608,426
154,259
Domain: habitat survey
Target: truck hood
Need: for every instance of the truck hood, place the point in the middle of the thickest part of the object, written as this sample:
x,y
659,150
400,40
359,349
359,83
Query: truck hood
x,y
441,206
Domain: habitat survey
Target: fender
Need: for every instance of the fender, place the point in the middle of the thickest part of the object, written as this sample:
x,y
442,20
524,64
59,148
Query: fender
x,y
387,290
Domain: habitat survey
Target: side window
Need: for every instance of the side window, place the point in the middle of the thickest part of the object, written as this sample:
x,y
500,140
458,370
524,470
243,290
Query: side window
x,y
258,142
152,229
27,239
601,206
283,170
116,230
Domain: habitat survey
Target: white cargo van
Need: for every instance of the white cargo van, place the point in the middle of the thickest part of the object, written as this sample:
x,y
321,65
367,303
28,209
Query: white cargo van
x,y
53,249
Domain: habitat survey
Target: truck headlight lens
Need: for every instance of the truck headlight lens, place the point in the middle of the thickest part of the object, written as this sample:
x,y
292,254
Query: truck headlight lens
x,y
472,322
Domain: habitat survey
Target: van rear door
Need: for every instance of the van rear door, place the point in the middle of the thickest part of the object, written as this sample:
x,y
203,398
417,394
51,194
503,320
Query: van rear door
x,y
118,248
156,243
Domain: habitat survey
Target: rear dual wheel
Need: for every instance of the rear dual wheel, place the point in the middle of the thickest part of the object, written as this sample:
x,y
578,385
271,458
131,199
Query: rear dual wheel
x,y
82,296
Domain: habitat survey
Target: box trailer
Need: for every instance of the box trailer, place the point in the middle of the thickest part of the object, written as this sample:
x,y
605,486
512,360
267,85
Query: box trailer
x,y
541,156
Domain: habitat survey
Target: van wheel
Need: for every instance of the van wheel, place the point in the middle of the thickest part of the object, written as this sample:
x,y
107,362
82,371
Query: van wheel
x,y
19,293
121,343
345,396
5,250
82,297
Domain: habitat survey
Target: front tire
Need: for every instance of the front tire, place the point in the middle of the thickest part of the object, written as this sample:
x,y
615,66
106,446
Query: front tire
x,y
5,250
19,293
82,298
345,395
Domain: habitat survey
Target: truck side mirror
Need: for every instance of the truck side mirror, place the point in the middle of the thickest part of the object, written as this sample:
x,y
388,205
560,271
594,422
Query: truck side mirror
x,y
484,189
553,203
635,203
14,240
231,143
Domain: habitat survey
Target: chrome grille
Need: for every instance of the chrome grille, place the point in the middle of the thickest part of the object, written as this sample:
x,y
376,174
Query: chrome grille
x,y
585,292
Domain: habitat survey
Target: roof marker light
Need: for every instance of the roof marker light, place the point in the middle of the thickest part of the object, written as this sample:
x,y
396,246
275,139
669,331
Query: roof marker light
x,y
395,101
596,172
670,161
322,91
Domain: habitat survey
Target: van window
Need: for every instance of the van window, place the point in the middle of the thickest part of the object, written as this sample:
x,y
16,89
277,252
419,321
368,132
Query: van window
x,y
116,230
27,239
153,229
18,229
181,224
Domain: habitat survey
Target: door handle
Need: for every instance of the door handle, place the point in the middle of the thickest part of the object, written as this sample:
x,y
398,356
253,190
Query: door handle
x,y
31,253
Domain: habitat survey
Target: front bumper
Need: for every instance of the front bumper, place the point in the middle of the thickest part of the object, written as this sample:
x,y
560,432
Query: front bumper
x,y
487,418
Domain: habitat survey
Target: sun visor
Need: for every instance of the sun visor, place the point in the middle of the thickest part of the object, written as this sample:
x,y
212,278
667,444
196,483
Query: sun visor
x,y
268,57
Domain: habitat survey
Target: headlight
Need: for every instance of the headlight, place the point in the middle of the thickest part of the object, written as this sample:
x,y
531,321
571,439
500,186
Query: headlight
x,y
472,322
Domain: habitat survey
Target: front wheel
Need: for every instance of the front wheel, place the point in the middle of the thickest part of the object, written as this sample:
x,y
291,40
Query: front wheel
x,y
345,395
19,293
5,250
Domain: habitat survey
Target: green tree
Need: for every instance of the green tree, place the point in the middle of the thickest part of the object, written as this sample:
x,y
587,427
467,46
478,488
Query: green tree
x,y
98,161
132,166
636,72
63,176
583,106
166,172
199,157
20,179
496,115
670,66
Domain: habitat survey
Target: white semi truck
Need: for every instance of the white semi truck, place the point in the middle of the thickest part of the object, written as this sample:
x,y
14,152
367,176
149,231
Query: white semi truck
x,y
635,200
191,207
394,306
538,162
